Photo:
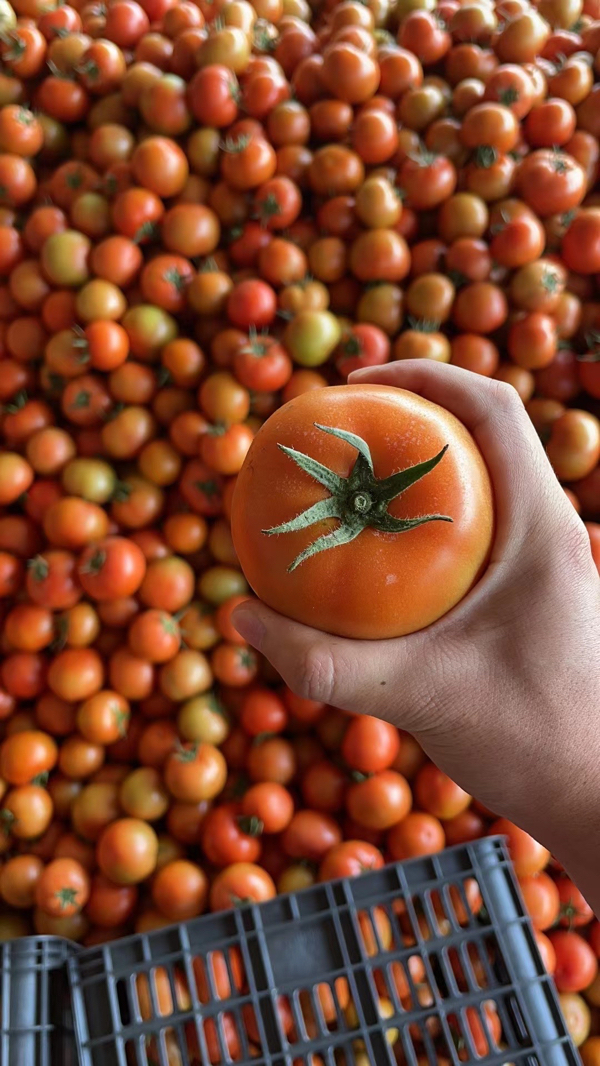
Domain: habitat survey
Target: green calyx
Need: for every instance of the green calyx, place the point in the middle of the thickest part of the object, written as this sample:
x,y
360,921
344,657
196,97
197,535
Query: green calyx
x,y
67,897
359,501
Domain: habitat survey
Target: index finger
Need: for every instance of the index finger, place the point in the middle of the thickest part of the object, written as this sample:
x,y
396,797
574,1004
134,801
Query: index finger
x,y
494,413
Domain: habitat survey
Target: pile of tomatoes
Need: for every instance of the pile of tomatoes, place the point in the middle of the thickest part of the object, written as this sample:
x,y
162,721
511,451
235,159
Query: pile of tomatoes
x,y
208,208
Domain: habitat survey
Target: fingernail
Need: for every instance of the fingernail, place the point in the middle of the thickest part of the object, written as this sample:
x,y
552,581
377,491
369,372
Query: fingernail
x,y
249,625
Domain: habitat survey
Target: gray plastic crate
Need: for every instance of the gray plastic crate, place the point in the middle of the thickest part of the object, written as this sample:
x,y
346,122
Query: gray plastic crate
x,y
146,1000
36,1027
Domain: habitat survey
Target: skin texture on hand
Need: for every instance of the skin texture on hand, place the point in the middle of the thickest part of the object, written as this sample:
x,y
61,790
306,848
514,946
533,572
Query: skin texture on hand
x,y
503,692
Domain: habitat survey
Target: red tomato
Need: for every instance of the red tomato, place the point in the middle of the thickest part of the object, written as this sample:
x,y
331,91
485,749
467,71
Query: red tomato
x,y
304,591
576,963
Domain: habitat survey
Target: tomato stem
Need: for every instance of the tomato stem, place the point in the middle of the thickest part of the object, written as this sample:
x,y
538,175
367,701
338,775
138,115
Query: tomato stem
x,y
358,501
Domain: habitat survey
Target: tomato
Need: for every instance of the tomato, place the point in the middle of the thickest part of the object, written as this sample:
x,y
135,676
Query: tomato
x,y
349,74
268,806
26,812
63,888
240,882
110,905
574,909
324,786
180,890
310,835
195,772
27,627
541,898
580,247
527,855
94,807
369,744
437,794
576,963
143,795
417,834
16,476
228,837
27,755
127,851
104,717
577,1015
111,568
76,674
307,600
18,880
212,95
574,445
159,164
380,801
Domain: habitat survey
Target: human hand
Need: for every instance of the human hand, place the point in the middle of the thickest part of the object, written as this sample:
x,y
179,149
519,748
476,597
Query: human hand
x,y
502,692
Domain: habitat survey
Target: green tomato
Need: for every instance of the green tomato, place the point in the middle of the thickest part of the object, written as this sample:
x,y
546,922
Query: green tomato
x,y
149,328
220,583
311,337
64,258
92,479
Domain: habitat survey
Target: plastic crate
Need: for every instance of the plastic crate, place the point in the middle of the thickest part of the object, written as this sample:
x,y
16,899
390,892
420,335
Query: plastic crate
x,y
35,1004
304,955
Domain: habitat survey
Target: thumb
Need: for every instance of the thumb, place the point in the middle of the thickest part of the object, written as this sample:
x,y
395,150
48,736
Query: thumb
x,y
380,678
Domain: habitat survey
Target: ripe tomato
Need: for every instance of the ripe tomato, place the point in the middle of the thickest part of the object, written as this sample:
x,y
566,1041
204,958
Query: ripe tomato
x,y
310,835
195,772
527,855
127,851
305,592
437,794
228,837
541,898
369,744
26,812
576,963
380,801
63,888
242,882
574,909
268,807
180,890
110,905
112,568
417,834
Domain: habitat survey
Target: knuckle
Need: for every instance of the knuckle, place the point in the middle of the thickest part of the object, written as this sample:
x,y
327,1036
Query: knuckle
x,y
317,675
505,396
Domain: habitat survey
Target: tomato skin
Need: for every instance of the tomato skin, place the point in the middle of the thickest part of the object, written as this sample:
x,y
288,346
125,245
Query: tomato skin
x,y
576,963
240,881
348,859
369,744
437,794
303,593
18,880
527,855
417,834
63,888
25,755
127,851
380,801
180,890
574,908
541,899
310,835
110,905
224,838
112,568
